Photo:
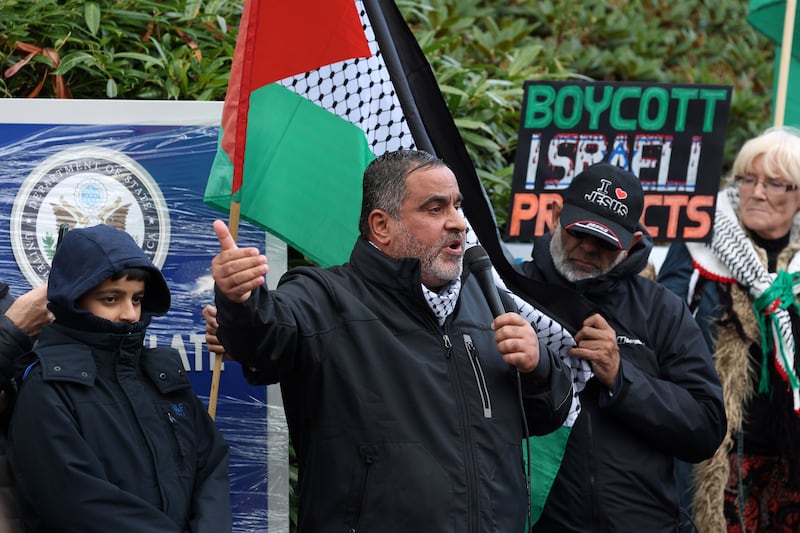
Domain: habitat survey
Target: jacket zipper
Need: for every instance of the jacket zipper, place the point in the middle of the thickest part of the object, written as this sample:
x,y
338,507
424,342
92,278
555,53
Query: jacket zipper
x,y
473,504
173,424
357,518
448,345
483,390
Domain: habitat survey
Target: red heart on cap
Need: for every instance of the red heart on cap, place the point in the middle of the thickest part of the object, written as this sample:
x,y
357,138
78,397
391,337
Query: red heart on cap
x,y
620,193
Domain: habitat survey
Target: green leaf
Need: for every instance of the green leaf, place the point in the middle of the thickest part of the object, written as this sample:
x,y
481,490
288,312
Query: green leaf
x,y
524,59
91,13
111,88
144,58
192,8
223,24
469,124
480,140
69,61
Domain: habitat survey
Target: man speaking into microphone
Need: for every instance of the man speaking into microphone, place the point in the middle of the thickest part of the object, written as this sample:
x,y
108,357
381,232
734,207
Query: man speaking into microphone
x,y
400,386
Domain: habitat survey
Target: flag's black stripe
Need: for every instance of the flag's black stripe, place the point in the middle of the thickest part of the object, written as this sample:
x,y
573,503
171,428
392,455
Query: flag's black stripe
x,y
434,130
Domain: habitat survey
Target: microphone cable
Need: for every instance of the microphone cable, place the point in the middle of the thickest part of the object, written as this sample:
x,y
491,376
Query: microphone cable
x,y
526,437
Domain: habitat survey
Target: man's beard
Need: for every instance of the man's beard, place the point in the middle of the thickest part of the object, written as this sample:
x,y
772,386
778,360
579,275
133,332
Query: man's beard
x,y
565,267
437,268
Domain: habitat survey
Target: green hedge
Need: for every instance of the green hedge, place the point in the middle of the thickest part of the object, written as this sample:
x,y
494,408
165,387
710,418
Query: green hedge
x,y
121,49
482,54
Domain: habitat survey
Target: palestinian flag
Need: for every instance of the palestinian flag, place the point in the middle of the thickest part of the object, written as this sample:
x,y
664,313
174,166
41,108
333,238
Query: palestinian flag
x,y
297,132
311,101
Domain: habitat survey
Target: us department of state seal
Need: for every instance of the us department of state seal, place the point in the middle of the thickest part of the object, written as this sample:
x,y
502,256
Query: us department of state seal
x,y
84,186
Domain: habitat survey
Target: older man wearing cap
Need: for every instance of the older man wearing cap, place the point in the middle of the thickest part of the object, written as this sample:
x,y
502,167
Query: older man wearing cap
x,y
655,396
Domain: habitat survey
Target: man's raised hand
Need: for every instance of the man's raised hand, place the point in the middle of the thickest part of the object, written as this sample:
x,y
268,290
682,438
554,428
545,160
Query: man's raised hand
x,y
236,271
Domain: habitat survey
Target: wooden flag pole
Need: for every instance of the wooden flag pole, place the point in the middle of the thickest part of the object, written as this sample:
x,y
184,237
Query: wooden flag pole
x,y
233,227
786,55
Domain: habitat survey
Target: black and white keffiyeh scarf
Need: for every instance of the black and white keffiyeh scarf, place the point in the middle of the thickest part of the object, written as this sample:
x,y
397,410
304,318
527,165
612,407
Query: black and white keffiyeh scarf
x,y
443,302
772,292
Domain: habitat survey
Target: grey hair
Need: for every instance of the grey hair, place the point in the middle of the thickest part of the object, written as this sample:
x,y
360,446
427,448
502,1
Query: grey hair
x,y
779,149
384,185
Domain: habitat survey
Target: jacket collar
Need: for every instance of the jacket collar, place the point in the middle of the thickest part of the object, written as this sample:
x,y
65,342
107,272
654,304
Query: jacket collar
x,y
66,354
376,267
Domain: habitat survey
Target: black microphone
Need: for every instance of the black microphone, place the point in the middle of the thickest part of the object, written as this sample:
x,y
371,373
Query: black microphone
x,y
480,265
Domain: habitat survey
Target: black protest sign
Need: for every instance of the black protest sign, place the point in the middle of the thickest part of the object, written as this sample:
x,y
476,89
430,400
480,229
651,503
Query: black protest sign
x,y
670,136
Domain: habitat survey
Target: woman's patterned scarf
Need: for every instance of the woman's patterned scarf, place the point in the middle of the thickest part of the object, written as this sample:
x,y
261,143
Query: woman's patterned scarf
x,y
772,293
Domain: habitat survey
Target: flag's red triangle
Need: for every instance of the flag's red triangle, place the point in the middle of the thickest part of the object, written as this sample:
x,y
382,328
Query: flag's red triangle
x,y
279,39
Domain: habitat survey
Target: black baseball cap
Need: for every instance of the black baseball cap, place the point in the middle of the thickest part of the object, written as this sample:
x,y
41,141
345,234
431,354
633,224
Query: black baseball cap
x,y
604,201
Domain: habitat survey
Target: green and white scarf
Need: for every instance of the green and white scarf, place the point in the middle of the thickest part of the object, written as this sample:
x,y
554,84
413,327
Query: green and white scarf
x,y
772,292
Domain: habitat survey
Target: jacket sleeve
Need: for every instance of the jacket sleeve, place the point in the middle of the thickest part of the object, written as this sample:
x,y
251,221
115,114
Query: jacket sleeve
x,y
703,297
211,503
676,270
546,393
264,333
14,343
61,479
242,331
677,408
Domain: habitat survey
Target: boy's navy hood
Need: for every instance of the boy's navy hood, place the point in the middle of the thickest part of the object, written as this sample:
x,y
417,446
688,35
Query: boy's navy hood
x,y
88,257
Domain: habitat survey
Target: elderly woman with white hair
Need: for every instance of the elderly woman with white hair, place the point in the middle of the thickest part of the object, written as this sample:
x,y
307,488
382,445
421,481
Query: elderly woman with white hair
x,y
743,288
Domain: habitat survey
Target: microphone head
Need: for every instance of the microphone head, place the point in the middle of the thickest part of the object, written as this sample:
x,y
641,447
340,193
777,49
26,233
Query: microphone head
x,y
477,259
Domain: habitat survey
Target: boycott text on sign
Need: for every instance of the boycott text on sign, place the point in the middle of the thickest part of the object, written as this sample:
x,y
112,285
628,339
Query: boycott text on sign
x,y
670,136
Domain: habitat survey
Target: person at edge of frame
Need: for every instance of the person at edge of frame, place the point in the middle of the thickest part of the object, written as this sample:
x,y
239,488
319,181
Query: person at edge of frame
x,y
108,435
742,288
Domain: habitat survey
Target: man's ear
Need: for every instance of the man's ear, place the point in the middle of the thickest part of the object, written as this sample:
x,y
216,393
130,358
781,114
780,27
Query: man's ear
x,y
637,236
555,214
380,227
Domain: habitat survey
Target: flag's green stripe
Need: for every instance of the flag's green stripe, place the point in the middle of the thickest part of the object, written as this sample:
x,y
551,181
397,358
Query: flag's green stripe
x,y
303,168
547,452
220,180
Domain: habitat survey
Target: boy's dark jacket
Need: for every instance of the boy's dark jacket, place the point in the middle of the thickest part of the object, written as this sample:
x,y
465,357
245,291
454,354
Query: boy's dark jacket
x,y
108,435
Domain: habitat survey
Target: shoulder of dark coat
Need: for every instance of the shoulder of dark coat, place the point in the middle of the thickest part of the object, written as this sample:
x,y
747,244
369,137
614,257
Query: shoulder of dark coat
x,y
164,366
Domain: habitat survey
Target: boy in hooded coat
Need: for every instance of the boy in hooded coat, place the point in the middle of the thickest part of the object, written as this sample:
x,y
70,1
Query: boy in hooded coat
x,y
108,435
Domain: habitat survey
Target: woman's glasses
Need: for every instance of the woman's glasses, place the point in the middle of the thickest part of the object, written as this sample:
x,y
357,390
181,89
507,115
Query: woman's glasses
x,y
772,186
